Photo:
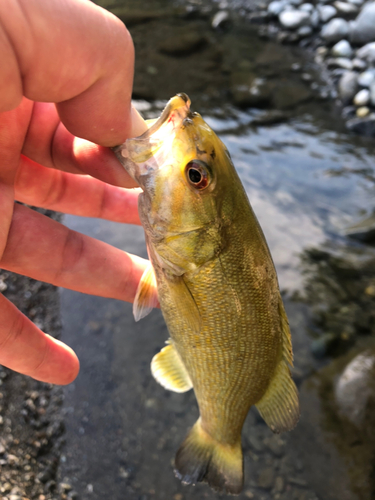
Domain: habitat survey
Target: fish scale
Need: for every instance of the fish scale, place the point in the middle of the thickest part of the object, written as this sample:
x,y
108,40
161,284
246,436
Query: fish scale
x,y
218,292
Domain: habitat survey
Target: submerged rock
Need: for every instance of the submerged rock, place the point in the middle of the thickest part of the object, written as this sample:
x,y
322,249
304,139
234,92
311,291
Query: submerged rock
x,y
289,96
335,30
362,126
183,44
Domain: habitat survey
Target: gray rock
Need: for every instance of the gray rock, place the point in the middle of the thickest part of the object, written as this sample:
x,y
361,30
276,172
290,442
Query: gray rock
x,y
183,44
348,86
362,126
304,31
366,78
326,12
372,93
362,98
342,49
335,30
220,19
276,7
315,18
290,95
356,2
362,30
367,52
359,64
345,9
355,387
266,478
293,19
340,62
307,7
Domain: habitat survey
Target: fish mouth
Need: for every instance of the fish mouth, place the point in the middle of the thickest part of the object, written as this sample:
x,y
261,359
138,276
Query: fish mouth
x,y
144,154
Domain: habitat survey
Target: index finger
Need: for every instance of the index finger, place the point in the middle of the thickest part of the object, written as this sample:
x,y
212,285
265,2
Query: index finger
x,y
75,54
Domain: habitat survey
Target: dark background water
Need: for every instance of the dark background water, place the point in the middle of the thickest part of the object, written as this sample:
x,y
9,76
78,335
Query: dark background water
x,y
307,180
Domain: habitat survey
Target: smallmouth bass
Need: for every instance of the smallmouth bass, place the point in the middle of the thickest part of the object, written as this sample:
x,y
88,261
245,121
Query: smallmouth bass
x,y
218,292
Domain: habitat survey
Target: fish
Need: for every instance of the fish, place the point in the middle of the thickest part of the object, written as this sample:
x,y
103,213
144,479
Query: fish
x,y
218,292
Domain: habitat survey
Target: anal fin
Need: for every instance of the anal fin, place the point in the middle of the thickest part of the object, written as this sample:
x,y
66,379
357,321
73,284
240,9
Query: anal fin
x,y
146,297
168,369
279,406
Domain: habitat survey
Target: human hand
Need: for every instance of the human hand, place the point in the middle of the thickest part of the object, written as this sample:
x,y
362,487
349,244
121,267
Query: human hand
x,y
79,56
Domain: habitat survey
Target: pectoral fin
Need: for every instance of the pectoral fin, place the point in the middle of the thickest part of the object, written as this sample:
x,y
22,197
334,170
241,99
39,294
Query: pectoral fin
x,y
146,297
168,369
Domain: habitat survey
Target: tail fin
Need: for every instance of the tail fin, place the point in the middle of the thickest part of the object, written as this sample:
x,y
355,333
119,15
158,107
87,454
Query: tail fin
x,y
202,458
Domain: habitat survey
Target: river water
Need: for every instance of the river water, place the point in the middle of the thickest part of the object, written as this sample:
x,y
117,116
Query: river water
x,y
304,178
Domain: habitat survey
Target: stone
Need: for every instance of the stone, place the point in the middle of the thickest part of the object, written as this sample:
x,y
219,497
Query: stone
x,y
183,44
358,64
266,478
293,19
276,7
220,19
345,9
342,49
362,98
340,62
366,78
362,112
366,127
355,387
362,30
289,96
304,31
326,12
372,93
335,30
314,18
348,86
307,7
367,52
248,90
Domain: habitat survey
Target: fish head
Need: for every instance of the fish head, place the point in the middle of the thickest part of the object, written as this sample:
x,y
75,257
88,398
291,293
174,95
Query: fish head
x,y
189,183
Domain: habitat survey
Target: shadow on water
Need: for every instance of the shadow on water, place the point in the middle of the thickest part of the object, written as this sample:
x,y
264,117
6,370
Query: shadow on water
x,y
308,181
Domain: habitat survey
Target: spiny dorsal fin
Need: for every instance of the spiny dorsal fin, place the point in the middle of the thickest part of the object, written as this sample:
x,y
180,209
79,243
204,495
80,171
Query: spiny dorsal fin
x,y
168,369
146,297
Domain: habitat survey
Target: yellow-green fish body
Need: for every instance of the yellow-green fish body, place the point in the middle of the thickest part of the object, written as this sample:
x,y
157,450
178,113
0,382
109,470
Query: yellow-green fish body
x,y
218,291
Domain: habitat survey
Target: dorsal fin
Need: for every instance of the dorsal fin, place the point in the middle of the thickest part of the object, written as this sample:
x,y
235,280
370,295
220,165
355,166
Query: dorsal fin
x,y
169,370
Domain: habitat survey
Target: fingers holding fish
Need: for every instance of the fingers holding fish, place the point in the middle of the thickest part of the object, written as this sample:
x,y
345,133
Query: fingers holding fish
x,y
43,249
74,194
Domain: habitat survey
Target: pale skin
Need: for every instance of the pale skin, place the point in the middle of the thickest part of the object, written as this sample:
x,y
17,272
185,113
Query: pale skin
x,y
77,55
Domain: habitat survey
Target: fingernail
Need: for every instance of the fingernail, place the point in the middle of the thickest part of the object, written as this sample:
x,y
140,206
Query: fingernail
x,y
139,126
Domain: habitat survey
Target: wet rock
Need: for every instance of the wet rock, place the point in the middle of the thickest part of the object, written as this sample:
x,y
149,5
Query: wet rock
x,y
363,111
356,387
248,90
362,98
266,478
289,96
372,93
365,126
276,445
335,30
362,30
183,44
366,78
340,62
367,52
307,7
293,19
348,86
270,118
358,64
304,31
276,7
342,49
363,230
326,12
221,19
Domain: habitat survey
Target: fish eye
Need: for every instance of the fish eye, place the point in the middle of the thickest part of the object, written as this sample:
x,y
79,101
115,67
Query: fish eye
x,y
197,174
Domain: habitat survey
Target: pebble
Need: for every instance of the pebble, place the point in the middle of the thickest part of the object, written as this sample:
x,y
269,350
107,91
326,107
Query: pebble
x,y
293,19
348,86
358,64
362,98
279,484
266,478
307,7
335,30
362,30
362,112
304,31
340,62
220,19
366,78
367,52
372,94
342,49
326,12
276,7
346,9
